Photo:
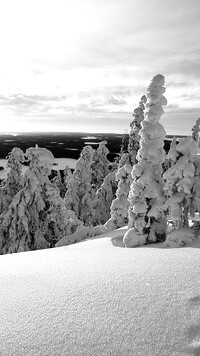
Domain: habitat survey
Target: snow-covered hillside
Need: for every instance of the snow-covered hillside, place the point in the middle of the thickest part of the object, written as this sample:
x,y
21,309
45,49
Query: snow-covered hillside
x,y
98,298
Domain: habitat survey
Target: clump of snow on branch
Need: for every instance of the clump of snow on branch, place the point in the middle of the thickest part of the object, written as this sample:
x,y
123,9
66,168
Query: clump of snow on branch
x,y
146,194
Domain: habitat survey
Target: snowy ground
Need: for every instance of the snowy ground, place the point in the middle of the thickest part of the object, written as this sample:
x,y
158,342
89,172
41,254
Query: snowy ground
x,y
60,164
98,298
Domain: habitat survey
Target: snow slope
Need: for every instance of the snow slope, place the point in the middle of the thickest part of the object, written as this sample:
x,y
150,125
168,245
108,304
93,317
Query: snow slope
x,y
98,298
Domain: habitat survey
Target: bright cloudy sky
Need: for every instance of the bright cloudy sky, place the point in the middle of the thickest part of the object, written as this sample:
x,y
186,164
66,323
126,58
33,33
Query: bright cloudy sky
x,y
82,65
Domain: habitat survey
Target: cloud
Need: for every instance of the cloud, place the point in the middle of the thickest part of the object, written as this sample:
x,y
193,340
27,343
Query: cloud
x,y
191,97
188,68
174,84
114,101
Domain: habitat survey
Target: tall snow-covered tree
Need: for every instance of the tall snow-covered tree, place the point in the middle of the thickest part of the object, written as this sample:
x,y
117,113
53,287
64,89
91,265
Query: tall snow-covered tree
x,y
146,218
37,217
100,165
80,195
134,137
120,205
14,179
179,181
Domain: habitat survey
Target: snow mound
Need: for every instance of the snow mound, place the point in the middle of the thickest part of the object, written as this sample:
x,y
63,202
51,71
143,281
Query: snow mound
x,y
181,237
132,239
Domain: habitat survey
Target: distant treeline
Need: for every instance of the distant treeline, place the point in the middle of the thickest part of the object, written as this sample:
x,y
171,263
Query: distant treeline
x,y
67,145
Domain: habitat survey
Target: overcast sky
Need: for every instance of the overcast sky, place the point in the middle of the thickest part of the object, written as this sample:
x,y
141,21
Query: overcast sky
x,y
82,65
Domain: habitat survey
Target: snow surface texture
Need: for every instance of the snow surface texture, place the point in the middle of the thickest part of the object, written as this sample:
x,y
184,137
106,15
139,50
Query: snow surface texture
x,y
93,298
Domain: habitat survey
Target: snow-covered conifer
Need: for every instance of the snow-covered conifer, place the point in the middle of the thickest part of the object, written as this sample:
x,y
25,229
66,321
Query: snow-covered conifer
x,y
195,193
171,157
67,175
103,199
146,197
195,130
134,137
100,165
57,181
179,181
80,195
14,178
37,216
120,205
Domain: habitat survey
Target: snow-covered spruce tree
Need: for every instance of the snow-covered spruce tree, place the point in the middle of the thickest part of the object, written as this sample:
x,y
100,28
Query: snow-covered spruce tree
x,y
119,206
195,130
80,195
171,157
195,199
134,137
100,165
57,181
103,199
179,181
14,179
146,219
195,192
37,217
67,175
